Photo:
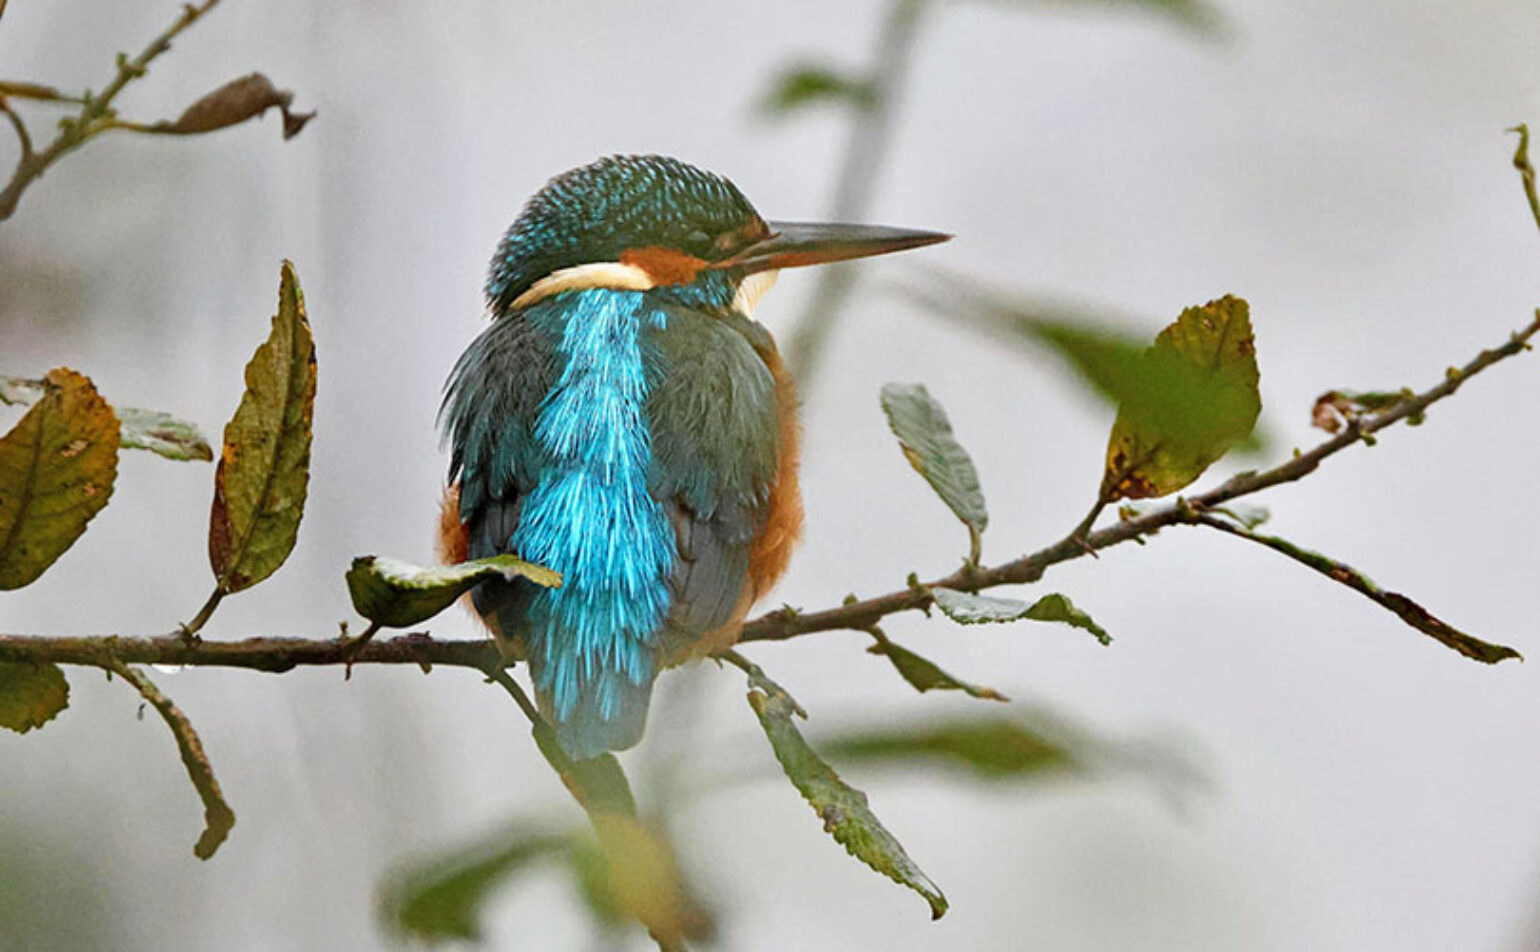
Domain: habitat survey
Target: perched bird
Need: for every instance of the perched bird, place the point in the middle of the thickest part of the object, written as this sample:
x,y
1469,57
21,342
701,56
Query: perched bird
x,y
626,421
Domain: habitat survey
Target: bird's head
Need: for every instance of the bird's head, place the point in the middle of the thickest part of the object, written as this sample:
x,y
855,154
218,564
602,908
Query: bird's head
x,y
650,222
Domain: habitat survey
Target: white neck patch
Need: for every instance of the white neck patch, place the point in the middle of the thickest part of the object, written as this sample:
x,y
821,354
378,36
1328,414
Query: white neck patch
x,y
599,274
751,289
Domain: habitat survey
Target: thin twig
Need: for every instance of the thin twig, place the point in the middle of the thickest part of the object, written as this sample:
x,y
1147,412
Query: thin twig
x,y
218,818
20,127
95,113
1404,608
1526,171
864,153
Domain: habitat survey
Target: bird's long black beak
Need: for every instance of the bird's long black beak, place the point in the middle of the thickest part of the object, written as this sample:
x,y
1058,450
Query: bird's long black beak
x,y
795,244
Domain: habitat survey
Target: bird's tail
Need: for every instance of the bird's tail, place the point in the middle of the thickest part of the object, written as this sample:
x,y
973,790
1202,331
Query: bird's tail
x,y
595,711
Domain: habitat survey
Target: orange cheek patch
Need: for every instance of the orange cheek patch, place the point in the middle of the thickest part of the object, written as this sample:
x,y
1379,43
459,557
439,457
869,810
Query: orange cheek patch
x,y
664,265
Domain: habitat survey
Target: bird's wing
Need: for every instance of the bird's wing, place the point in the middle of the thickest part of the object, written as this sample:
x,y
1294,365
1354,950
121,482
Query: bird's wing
x,y
712,415
488,416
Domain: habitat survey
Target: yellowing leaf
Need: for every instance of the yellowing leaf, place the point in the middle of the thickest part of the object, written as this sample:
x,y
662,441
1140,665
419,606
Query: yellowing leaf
x,y
264,468
925,435
397,594
31,695
57,468
842,808
1194,398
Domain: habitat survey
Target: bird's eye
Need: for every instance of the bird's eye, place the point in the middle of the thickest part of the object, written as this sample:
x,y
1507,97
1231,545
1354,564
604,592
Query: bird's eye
x,y
698,243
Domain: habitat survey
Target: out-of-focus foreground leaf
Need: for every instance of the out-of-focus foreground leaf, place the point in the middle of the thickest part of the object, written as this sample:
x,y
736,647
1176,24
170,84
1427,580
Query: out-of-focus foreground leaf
x,y
397,594
843,809
160,433
57,468
925,435
800,86
1193,398
1200,17
442,898
31,695
264,468
994,748
967,608
1111,361
1023,746
639,875
630,874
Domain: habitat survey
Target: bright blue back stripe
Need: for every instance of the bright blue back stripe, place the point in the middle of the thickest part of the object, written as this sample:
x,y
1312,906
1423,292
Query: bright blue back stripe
x,y
591,517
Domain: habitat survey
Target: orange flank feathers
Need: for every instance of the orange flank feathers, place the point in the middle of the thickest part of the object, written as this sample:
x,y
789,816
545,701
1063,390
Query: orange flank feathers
x,y
453,543
772,550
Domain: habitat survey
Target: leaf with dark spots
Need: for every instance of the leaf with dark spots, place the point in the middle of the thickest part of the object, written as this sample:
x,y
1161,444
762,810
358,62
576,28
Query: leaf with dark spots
x,y
1193,397
925,435
31,695
264,467
234,103
397,594
967,608
843,809
925,675
57,469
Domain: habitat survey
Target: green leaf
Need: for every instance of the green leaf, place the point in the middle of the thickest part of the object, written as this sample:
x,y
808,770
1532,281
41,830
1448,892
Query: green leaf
x,y
802,86
842,808
925,435
924,674
31,695
1193,398
160,433
993,748
57,469
397,594
264,468
443,898
967,608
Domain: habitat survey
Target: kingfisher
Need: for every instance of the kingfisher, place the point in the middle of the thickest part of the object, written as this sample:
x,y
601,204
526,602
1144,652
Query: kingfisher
x,y
626,421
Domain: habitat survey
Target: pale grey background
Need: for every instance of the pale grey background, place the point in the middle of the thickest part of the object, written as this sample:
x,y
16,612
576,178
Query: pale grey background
x,y
1343,166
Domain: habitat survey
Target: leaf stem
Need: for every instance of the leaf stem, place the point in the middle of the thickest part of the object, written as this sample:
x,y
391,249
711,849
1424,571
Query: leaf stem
x,y
190,630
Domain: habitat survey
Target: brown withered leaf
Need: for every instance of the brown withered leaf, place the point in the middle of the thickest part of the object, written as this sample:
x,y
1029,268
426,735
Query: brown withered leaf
x,y
234,103
57,469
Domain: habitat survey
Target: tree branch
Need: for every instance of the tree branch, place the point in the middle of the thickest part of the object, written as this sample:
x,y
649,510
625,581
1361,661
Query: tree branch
x,y
95,114
283,654
218,818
